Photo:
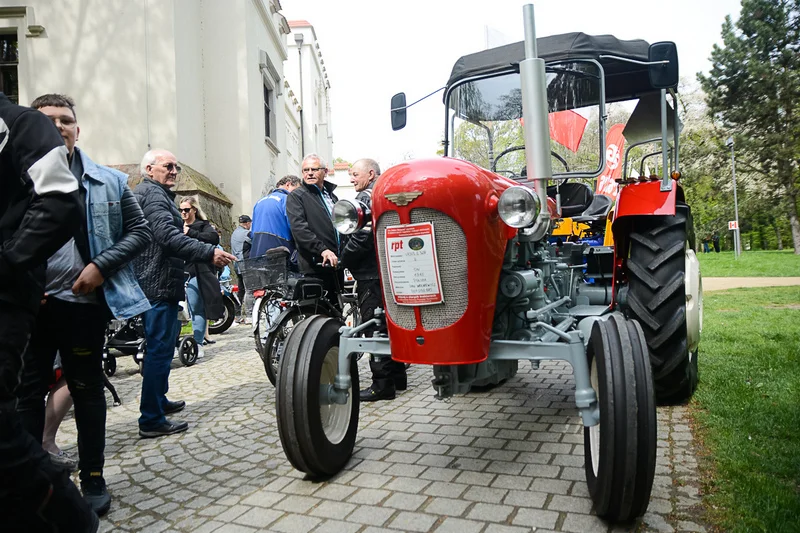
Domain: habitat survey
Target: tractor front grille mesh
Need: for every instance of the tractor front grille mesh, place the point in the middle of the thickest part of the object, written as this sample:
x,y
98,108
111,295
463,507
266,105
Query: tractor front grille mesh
x,y
451,248
403,316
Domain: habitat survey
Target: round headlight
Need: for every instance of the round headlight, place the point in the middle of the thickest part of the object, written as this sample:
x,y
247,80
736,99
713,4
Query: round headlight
x,y
518,207
348,216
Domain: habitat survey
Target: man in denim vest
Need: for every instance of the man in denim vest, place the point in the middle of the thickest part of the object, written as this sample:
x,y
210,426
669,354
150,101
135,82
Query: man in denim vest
x,y
88,281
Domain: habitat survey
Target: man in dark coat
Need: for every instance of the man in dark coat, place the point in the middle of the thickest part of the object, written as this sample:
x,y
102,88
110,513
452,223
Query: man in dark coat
x,y
309,209
160,273
40,209
359,256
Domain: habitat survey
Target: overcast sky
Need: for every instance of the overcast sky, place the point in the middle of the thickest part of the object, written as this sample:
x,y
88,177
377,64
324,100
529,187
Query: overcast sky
x,y
374,49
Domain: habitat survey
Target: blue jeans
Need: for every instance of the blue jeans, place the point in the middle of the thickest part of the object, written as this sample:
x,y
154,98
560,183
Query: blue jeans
x,y
196,310
161,328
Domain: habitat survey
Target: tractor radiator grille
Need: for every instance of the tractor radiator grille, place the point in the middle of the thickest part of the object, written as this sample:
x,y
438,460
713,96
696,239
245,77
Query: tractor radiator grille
x,y
451,245
401,315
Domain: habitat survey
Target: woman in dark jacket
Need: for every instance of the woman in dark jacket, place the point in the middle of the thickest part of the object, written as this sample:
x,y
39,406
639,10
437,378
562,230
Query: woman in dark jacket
x,y
203,293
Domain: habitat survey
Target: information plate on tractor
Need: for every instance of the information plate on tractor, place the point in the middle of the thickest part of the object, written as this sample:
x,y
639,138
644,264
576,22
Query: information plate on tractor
x,y
413,267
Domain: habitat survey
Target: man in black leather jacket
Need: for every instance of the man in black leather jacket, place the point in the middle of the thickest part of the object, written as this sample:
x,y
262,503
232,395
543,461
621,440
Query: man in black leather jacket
x,y
39,211
360,258
160,273
309,209
88,280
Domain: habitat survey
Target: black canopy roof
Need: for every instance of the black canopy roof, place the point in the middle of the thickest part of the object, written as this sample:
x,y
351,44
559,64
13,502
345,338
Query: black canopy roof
x,y
624,81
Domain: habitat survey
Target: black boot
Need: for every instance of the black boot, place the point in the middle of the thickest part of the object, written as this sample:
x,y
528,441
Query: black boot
x,y
377,392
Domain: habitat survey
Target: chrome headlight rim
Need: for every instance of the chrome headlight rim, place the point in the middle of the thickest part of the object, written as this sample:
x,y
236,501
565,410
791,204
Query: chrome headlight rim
x,y
527,217
348,216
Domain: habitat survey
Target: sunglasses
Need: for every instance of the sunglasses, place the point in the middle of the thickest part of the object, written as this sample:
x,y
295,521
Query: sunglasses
x,y
170,167
186,209
307,170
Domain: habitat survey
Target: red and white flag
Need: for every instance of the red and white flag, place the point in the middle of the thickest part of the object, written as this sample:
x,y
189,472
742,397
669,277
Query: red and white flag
x,y
615,146
567,127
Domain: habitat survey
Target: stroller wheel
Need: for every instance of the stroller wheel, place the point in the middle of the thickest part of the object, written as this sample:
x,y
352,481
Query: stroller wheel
x,y
187,351
109,365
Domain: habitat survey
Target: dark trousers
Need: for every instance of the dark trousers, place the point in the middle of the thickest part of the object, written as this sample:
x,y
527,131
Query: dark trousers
x,y
77,332
161,328
386,373
34,494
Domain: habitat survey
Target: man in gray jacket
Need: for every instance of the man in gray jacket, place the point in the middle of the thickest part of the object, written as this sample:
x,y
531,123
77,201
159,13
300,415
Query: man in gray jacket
x,y
160,272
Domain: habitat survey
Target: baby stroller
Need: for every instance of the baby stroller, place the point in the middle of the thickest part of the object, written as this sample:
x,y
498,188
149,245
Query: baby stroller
x,y
127,337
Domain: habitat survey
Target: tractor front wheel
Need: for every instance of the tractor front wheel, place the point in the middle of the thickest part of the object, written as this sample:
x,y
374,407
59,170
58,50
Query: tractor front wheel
x,y
665,295
317,434
620,451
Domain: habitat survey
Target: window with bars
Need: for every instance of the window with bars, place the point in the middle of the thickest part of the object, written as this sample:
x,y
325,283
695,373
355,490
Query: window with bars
x,y
9,63
268,118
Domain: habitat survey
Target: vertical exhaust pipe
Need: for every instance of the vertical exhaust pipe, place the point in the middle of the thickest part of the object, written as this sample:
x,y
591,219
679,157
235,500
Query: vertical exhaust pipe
x,y
533,82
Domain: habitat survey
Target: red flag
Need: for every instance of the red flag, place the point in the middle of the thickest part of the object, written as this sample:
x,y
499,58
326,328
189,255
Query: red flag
x,y
567,127
615,146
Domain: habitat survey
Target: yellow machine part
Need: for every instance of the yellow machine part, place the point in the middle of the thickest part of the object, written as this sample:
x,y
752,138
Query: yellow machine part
x,y
608,238
565,227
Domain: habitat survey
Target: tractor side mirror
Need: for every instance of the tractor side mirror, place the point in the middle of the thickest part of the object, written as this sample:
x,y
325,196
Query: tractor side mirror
x,y
663,76
398,111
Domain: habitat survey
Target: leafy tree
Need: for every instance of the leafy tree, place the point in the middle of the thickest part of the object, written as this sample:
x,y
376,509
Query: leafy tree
x,y
753,88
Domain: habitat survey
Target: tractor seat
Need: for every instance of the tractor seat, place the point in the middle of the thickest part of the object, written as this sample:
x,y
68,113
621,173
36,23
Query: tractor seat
x,y
598,210
576,197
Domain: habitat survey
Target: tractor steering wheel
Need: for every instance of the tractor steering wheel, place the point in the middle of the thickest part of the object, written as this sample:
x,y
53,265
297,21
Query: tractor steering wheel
x,y
516,176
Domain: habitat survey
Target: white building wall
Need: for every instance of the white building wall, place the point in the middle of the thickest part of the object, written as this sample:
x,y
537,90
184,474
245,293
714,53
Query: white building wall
x,y
96,53
314,99
182,75
189,88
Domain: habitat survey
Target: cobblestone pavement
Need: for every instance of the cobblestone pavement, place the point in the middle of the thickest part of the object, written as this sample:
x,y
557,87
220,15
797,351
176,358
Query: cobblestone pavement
x,y
502,461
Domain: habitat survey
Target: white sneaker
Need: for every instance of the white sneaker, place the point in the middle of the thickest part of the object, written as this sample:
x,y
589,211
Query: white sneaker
x,y
200,352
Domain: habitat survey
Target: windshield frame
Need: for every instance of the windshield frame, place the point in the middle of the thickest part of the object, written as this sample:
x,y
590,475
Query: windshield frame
x,y
514,69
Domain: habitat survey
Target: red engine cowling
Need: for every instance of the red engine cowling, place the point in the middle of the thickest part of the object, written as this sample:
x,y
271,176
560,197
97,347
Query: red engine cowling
x,y
460,199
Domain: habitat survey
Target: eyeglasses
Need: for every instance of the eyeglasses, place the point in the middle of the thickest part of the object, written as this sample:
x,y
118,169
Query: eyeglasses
x,y
312,170
170,167
186,209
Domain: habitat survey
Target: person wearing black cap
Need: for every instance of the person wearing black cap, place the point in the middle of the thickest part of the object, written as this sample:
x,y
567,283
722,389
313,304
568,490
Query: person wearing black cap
x,y
240,247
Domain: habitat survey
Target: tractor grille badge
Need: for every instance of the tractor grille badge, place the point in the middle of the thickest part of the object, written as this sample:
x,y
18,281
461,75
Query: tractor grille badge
x,y
402,199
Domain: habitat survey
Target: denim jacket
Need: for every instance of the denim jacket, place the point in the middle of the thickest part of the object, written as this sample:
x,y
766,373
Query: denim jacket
x,y
104,224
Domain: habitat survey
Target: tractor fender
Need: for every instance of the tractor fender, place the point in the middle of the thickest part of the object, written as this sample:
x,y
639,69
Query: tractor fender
x,y
646,198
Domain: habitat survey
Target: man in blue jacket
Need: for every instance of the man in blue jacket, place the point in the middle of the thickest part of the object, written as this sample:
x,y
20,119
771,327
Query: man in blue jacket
x,y
88,281
270,223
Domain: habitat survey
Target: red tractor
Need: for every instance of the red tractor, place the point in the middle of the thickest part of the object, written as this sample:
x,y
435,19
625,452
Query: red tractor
x,y
473,282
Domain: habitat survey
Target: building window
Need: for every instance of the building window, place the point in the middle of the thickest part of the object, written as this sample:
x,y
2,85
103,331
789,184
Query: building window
x,y
268,115
9,61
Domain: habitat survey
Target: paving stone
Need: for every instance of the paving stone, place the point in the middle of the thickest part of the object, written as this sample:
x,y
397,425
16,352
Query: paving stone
x,y
446,506
502,461
490,512
456,525
406,521
535,518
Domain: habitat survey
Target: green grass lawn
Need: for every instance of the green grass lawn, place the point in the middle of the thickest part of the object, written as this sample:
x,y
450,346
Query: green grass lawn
x,y
751,263
747,408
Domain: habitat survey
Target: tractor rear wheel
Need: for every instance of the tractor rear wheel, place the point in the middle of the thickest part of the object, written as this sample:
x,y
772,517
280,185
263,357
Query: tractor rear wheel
x,y
665,296
620,451
317,434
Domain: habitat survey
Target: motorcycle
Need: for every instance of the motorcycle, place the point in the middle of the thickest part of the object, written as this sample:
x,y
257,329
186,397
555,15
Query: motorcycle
x,y
230,297
283,298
